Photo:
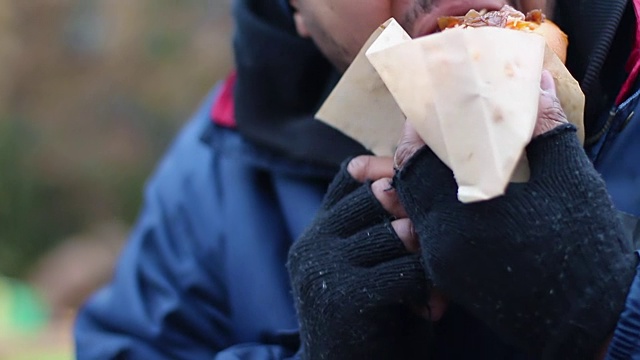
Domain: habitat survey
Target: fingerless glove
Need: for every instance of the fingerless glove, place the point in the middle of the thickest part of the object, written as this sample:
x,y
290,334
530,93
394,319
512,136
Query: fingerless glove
x,y
545,265
354,284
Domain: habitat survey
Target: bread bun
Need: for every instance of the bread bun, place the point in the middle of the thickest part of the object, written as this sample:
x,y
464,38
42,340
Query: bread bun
x,y
556,39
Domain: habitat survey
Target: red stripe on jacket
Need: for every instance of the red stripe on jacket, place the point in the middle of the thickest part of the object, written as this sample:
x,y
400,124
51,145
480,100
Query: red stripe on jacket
x,y
633,64
222,110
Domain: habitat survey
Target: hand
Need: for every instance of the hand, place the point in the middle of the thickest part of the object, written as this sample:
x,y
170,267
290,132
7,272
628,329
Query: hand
x,y
355,285
544,265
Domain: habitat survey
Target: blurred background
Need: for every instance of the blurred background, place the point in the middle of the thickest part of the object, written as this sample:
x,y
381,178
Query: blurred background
x,y
91,93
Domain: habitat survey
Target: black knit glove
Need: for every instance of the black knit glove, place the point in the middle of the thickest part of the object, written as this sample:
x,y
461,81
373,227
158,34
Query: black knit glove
x,y
354,284
545,265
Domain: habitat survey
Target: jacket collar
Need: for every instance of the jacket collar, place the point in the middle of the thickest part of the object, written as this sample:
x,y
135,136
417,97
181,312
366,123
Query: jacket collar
x,y
282,80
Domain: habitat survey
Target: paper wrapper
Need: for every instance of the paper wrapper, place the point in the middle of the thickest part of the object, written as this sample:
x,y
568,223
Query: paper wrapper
x,y
361,106
472,100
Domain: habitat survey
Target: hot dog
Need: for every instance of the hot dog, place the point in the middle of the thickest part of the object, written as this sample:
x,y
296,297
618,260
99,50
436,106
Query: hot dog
x,y
510,18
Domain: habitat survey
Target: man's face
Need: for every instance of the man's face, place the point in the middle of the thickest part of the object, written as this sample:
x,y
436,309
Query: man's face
x,y
341,27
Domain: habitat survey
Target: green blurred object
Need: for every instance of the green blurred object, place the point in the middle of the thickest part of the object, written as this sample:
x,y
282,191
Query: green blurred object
x,y
23,317
22,312
39,354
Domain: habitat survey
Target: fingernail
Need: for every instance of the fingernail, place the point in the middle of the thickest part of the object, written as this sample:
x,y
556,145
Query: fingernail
x,y
547,83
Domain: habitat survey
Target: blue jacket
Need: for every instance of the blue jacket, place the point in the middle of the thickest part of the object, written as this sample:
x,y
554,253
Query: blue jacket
x,y
204,269
616,155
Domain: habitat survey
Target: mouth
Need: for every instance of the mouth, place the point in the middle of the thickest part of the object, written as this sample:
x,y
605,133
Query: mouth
x,y
428,24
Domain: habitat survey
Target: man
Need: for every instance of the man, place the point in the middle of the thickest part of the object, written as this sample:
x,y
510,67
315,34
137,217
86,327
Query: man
x,y
204,272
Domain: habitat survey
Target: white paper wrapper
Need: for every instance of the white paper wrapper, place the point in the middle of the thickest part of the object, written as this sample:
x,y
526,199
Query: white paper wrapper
x,y
474,99
487,82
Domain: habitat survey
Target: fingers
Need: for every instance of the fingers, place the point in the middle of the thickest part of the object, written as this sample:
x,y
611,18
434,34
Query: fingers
x,y
409,144
341,185
353,173
438,304
380,242
550,113
367,167
373,246
350,201
398,281
388,198
407,234
353,213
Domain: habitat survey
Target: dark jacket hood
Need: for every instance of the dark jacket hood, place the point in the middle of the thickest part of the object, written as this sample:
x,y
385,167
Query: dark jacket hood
x,y
282,81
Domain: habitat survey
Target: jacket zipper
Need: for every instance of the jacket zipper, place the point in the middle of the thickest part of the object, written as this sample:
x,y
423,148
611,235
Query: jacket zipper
x,y
596,137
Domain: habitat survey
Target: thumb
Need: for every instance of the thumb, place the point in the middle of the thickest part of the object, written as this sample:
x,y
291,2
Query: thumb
x,y
410,142
550,112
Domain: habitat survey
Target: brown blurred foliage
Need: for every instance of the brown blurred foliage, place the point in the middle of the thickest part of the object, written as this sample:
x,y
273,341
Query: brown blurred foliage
x,y
91,92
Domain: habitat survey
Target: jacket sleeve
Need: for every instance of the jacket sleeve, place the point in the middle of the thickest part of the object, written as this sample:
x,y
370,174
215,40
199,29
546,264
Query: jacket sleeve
x,y
257,351
625,343
167,297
